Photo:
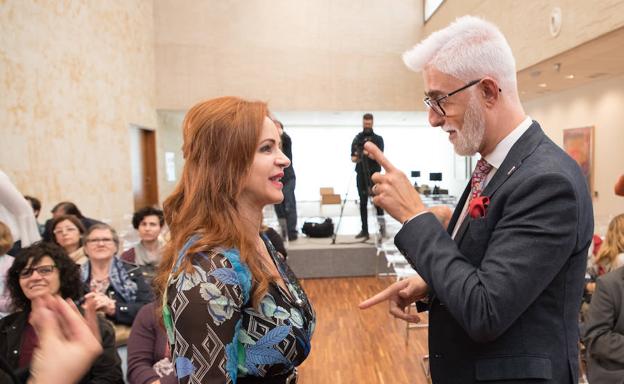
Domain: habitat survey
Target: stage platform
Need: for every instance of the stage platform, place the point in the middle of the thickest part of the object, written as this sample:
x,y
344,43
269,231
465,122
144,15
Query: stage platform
x,y
318,258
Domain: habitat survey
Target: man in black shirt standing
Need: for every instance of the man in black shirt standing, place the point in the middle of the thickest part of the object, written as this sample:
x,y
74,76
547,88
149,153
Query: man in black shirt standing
x,y
365,167
287,209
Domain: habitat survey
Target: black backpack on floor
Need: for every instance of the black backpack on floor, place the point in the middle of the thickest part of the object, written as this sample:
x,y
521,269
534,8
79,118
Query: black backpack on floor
x,y
316,229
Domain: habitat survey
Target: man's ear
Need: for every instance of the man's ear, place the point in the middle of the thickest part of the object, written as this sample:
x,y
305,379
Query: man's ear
x,y
490,91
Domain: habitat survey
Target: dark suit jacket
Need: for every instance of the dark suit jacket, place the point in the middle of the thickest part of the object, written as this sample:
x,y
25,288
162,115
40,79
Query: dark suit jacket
x,y
603,333
506,292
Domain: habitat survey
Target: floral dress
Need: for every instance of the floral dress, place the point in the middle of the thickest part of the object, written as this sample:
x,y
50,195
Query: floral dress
x,y
216,333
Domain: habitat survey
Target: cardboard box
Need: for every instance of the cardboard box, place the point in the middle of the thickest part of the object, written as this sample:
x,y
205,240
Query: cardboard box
x,y
330,199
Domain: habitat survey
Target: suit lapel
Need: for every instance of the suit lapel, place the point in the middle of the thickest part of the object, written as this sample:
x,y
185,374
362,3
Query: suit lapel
x,y
526,144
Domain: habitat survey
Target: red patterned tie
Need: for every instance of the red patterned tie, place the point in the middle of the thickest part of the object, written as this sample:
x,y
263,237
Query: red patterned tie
x,y
478,177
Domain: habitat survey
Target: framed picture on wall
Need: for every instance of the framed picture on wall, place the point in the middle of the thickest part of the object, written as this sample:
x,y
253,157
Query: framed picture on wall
x,y
579,144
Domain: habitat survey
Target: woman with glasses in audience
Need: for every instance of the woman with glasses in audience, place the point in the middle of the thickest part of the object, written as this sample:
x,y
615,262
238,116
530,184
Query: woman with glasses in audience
x,y
39,270
118,288
220,279
67,231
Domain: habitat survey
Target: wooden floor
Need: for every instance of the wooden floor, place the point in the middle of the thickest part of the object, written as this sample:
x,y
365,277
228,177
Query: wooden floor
x,y
354,346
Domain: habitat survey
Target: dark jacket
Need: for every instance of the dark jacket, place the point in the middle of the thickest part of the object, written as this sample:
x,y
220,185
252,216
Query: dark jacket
x,y
356,150
105,369
125,312
603,332
289,173
506,291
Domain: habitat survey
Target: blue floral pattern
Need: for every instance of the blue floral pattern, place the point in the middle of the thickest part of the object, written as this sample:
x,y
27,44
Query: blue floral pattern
x,y
209,312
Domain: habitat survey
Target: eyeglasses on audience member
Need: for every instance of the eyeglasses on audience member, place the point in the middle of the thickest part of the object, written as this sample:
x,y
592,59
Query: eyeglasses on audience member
x,y
104,240
42,270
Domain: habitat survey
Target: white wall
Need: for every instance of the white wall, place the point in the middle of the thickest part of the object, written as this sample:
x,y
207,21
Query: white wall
x,y
322,145
599,104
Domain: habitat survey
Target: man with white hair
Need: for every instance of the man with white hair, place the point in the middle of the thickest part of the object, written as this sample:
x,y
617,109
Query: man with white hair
x,y
503,283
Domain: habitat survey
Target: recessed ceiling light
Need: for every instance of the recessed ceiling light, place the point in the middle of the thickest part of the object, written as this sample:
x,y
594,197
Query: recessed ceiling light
x,y
542,85
569,77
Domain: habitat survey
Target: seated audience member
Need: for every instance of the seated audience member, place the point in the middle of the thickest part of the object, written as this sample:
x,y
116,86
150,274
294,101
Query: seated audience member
x,y
44,269
610,255
147,253
68,232
59,327
149,357
603,332
17,214
118,288
66,208
36,206
6,242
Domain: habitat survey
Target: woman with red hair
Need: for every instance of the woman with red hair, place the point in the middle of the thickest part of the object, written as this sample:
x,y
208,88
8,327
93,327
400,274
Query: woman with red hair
x,y
233,310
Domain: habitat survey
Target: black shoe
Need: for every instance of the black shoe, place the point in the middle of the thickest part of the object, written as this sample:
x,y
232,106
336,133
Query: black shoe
x,y
362,235
293,237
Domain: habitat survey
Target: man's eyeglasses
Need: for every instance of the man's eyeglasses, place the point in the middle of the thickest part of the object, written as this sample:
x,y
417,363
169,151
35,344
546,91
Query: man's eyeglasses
x,y
105,240
42,270
436,105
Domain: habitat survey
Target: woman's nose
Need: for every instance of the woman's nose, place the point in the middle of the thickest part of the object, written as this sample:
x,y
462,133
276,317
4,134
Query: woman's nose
x,y
284,160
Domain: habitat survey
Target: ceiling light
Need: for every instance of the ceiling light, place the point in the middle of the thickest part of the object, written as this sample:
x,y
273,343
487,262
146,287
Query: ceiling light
x,y
542,85
569,77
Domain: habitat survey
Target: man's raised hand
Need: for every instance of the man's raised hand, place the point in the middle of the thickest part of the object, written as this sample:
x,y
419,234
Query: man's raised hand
x,y
393,191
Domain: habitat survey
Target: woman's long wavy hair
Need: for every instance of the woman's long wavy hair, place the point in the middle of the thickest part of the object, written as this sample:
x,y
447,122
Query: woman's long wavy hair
x,y
220,140
614,242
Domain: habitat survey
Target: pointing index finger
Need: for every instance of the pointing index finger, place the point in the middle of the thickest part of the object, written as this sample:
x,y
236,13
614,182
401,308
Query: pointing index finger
x,y
376,154
378,298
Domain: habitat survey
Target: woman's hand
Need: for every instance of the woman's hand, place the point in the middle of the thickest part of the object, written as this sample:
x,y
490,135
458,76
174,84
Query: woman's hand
x,y
102,303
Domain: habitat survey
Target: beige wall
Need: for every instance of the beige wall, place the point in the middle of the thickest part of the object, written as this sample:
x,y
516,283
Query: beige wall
x,y
526,23
599,104
74,75
297,55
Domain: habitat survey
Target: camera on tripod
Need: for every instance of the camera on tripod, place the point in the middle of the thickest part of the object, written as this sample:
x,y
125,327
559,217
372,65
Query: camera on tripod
x,y
359,147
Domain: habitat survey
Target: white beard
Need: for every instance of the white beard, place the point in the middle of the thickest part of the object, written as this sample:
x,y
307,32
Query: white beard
x,y
468,140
